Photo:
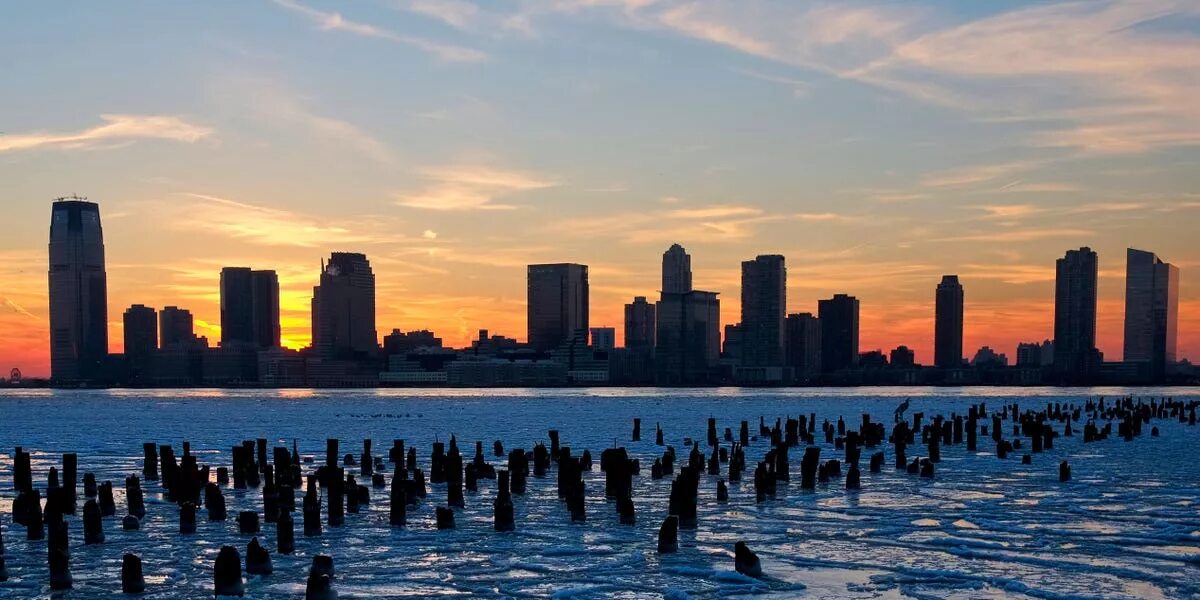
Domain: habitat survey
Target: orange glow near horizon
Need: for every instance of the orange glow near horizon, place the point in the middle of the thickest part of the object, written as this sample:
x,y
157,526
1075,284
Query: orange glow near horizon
x,y
883,326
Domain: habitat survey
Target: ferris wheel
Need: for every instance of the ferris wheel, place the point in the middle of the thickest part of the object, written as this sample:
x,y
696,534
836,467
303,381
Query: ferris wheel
x,y
14,376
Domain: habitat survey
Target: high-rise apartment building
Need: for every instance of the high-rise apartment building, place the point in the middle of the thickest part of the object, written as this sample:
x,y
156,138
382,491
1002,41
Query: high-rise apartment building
x,y
141,337
948,324
803,346
839,332
1075,356
639,324
764,306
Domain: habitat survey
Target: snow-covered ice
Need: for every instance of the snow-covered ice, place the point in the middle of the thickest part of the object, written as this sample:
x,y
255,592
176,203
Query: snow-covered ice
x,y
1126,526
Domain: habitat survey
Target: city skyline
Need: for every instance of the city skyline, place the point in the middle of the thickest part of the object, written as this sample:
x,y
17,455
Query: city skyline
x,y
869,144
343,314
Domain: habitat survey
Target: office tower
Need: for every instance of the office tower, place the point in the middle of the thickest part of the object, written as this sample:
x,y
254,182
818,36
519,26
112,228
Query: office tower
x,y
78,292
688,337
639,324
1151,310
343,308
764,306
676,270
175,326
803,346
948,324
1075,354
839,332
141,337
265,286
604,338
557,307
249,307
237,305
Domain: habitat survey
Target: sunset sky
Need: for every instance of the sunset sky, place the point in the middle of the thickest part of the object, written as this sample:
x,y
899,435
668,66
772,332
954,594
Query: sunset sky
x,y
877,145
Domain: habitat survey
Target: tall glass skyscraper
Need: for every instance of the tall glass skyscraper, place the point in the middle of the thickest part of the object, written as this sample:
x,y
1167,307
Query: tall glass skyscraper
x,y
78,292
1151,310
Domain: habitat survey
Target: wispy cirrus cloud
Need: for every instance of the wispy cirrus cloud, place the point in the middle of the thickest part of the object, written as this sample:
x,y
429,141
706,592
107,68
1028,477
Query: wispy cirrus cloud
x,y
332,21
1096,77
713,212
116,128
1119,84
471,187
274,103
975,174
711,223
458,14
1020,235
263,225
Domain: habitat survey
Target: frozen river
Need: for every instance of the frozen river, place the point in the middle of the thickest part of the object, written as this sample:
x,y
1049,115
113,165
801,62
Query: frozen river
x,y
1126,526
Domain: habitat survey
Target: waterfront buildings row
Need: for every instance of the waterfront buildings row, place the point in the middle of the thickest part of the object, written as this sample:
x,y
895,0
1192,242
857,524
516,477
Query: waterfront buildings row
x,y
674,340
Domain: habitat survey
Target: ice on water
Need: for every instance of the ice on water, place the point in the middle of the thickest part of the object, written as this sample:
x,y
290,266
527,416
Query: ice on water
x,y
1127,526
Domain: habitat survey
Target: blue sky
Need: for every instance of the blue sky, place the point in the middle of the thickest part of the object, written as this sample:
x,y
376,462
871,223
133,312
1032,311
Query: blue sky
x,y
877,145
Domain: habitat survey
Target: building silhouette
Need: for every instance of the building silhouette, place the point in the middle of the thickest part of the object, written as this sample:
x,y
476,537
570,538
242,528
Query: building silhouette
x,y
1075,356
803,346
764,306
731,344
986,358
603,338
902,357
639,324
343,308
266,330
249,307
78,292
948,324
557,304
839,332
676,270
141,339
175,326
688,336
1151,311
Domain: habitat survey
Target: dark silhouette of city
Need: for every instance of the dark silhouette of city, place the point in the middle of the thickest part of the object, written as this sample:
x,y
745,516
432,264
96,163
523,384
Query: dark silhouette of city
x,y
674,341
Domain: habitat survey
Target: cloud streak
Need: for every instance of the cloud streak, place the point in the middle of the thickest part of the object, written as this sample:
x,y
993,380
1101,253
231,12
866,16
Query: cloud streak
x,y
116,128
332,21
470,187
261,225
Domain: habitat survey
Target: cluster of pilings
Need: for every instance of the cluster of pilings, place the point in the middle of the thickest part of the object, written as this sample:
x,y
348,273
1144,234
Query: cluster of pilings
x,y
343,484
